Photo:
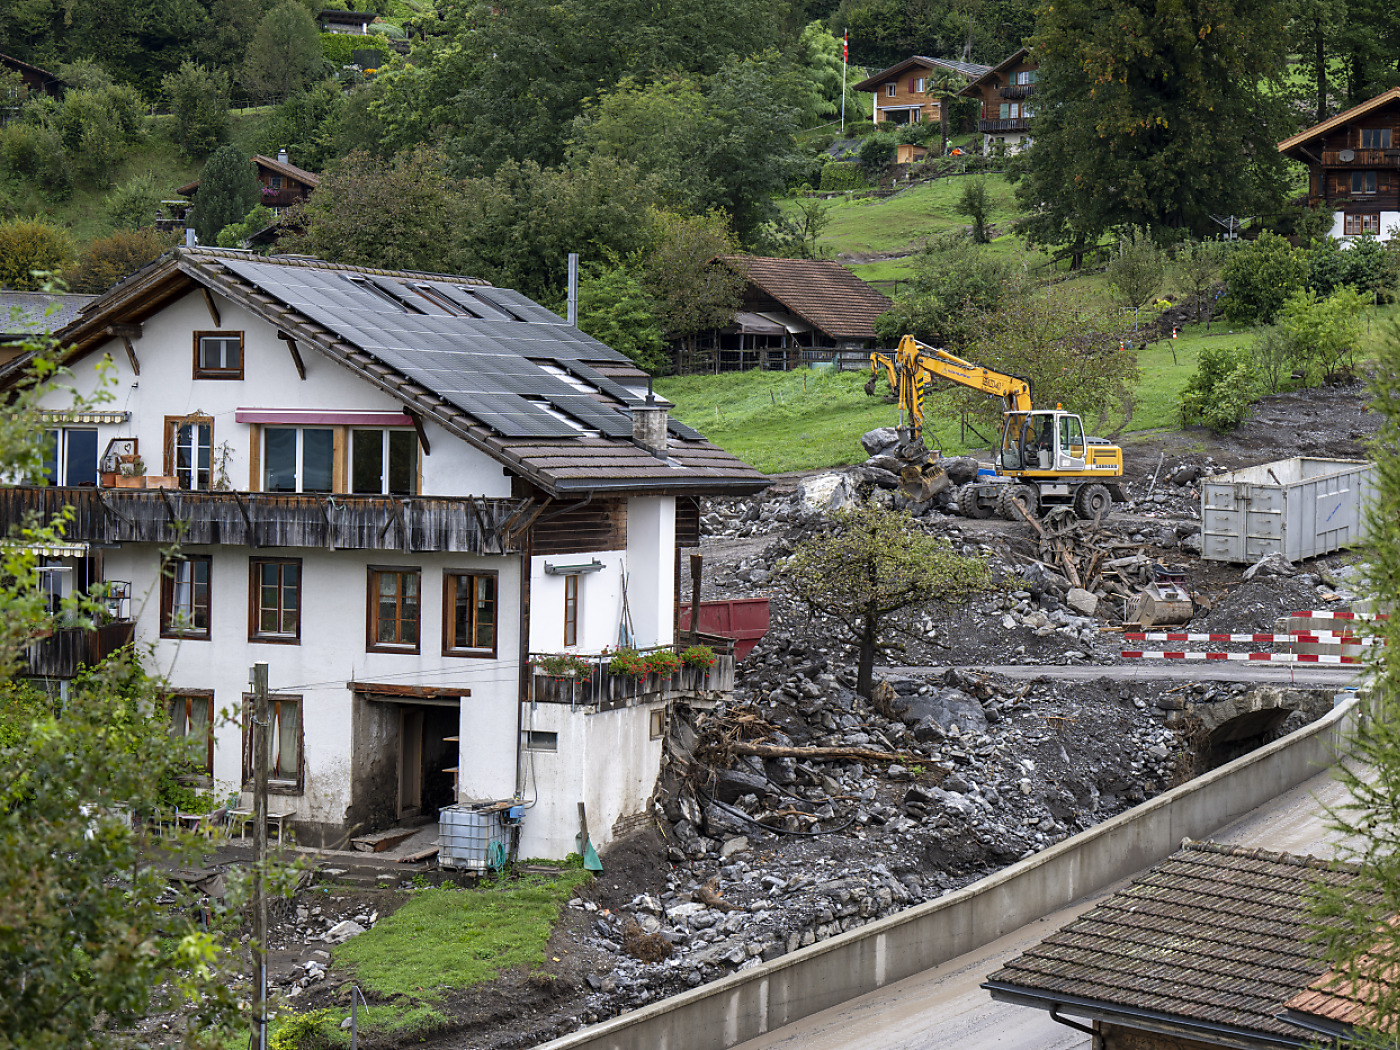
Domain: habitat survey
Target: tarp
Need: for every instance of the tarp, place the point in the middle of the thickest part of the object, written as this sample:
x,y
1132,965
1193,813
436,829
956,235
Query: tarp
x,y
757,324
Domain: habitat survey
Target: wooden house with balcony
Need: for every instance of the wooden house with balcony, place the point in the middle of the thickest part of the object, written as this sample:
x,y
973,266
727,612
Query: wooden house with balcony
x,y
1005,91
283,183
1353,163
31,81
393,488
900,94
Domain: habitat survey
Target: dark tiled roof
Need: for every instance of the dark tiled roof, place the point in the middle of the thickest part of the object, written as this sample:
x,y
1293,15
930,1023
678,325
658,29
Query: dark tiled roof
x,y
30,313
823,293
291,171
1006,63
488,364
966,69
1214,937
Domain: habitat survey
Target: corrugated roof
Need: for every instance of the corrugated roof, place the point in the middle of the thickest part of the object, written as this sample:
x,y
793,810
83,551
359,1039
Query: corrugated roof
x,y
1214,937
31,313
1344,117
823,293
492,366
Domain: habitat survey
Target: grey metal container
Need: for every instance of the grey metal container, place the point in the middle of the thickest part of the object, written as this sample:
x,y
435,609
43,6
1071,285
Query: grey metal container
x,y
1299,507
466,835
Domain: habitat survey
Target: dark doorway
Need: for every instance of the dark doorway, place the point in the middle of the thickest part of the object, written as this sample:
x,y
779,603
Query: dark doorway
x,y
428,753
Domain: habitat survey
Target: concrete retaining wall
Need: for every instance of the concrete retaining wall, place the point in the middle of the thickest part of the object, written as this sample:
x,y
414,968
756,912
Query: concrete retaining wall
x,y
745,1005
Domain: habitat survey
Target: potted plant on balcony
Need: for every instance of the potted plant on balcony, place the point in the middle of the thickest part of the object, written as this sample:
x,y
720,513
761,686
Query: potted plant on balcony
x,y
131,473
561,665
696,662
663,663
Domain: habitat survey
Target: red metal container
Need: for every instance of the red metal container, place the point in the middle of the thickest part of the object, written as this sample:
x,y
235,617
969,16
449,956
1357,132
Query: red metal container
x,y
743,619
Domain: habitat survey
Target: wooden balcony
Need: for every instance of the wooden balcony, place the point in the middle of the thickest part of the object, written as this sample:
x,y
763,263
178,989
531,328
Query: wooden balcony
x,y
1001,126
597,689
68,649
1016,90
471,525
282,198
1362,158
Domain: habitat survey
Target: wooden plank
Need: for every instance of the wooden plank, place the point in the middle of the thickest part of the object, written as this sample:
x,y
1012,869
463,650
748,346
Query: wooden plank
x,y
427,692
417,418
131,355
213,307
296,354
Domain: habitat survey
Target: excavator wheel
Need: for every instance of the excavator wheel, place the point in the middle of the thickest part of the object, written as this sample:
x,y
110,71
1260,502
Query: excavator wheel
x,y
922,483
1028,497
969,505
1093,501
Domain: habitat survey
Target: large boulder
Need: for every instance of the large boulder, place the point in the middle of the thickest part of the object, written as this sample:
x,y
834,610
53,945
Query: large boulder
x,y
946,707
879,440
1082,601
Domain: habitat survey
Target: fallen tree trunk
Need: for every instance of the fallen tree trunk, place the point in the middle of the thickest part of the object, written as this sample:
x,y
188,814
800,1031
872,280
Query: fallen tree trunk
x,y
827,754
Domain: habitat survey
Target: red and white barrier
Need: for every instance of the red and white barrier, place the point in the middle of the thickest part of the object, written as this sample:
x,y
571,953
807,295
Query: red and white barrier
x,y
1313,614
1276,658
1308,637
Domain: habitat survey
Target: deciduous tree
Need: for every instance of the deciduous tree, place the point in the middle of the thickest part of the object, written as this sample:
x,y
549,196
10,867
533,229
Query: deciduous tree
x,y
690,292
870,564
32,252
1259,276
199,98
108,259
1137,269
285,55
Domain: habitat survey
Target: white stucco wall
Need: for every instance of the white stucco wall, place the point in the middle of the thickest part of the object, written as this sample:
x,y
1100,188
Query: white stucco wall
x,y
599,602
608,761
330,654
1390,226
166,387
651,545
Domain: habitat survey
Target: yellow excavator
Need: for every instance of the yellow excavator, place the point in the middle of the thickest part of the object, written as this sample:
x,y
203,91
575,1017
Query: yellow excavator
x,y
1044,459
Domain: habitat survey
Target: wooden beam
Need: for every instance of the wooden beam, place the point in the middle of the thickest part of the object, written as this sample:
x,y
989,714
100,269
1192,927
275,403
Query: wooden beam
x,y
117,330
296,354
418,426
424,691
213,307
247,521
131,355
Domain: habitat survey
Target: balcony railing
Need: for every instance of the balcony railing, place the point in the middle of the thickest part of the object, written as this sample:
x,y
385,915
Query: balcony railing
x,y
281,198
1009,124
68,649
469,524
1362,158
596,688
1016,90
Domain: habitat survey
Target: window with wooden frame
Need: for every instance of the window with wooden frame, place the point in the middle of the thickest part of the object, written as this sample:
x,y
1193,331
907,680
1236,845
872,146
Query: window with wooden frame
x,y
571,609
184,596
891,90
274,600
1375,138
1363,183
1357,223
218,355
189,451
468,613
285,743
192,720
394,609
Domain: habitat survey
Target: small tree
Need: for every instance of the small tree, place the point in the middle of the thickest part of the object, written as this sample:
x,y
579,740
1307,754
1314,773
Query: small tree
x,y
1259,277
1198,267
944,84
30,252
689,291
108,259
1323,333
870,564
234,234
613,308
133,204
228,190
285,53
954,284
1136,270
1220,392
199,98
972,202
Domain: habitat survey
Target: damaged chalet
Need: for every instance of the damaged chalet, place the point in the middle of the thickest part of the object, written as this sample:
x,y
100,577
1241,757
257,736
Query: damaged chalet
x,y
393,488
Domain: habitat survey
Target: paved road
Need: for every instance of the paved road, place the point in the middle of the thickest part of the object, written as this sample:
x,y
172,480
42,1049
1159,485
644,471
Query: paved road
x,y
945,1007
1310,677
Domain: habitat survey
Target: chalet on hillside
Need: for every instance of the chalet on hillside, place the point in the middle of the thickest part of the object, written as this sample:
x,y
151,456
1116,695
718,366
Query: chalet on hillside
x,y
33,81
356,23
283,183
900,93
1204,950
1005,92
789,306
1354,167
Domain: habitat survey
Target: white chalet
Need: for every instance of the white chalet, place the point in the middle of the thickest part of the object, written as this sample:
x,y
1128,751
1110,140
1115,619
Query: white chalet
x,y
393,488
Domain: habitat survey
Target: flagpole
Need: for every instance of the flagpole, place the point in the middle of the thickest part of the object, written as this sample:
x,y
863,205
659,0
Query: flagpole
x,y
845,61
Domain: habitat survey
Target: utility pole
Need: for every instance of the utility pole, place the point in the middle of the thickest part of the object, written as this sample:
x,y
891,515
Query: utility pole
x,y
845,61
258,681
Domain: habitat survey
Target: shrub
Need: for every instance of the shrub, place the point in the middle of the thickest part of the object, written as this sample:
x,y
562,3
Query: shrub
x,y
108,259
133,204
37,152
30,250
199,98
1220,392
234,234
340,48
1323,333
842,175
1259,277
877,151
1368,265
701,656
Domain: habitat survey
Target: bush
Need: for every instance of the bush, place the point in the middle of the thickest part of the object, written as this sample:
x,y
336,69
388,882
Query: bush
x,y
199,97
662,662
842,175
234,234
340,48
133,204
1323,333
877,151
1259,277
29,251
108,259
36,153
701,656
1368,265
1219,394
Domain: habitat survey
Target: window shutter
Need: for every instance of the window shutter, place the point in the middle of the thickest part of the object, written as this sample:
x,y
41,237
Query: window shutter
x,y
912,82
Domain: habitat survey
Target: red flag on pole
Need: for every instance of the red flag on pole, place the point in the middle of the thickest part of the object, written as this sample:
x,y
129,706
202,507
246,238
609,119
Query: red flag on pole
x,y
846,46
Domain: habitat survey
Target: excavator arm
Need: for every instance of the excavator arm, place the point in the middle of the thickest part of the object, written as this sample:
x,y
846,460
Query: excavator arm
x,y
911,368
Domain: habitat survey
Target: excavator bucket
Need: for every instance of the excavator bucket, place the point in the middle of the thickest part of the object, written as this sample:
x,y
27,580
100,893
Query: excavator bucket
x,y
923,481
